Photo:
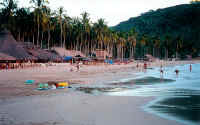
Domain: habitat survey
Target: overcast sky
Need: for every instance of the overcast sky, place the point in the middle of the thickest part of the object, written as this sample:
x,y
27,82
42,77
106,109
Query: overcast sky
x,y
113,11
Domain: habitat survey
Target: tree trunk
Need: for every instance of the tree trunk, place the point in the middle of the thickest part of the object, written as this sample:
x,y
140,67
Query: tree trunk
x,y
23,37
49,36
64,40
41,40
61,33
33,39
38,34
18,38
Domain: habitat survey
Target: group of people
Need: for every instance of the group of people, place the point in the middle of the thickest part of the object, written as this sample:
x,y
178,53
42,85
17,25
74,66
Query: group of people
x,y
77,65
176,70
162,70
17,65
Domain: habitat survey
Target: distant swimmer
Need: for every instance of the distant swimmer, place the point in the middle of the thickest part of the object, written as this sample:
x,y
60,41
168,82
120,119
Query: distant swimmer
x,y
190,67
161,73
177,71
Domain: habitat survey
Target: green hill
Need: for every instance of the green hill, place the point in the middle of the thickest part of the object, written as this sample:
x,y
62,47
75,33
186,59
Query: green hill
x,y
177,18
181,22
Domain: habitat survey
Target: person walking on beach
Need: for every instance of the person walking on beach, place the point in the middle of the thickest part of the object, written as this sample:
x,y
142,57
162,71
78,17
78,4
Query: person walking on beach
x,y
137,65
77,66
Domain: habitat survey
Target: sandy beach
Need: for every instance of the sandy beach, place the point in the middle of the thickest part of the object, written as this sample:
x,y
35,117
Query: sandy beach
x,y
61,107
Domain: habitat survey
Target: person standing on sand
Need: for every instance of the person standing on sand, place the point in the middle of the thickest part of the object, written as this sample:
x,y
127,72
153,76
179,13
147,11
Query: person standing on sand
x,y
137,65
77,66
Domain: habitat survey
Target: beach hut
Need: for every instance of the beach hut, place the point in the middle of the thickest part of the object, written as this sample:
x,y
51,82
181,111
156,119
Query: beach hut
x,y
5,57
43,55
9,46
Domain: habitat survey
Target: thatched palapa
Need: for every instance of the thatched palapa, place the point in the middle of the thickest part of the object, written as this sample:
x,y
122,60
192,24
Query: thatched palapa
x,y
44,55
5,57
9,46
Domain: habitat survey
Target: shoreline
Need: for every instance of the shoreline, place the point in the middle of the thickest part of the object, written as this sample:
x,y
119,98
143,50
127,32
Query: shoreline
x,y
12,81
80,99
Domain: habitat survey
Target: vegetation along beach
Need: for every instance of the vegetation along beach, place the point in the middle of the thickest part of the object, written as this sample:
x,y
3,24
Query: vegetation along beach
x,y
99,62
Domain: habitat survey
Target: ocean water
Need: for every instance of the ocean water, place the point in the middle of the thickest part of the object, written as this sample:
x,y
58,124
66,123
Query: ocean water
x,y
178,98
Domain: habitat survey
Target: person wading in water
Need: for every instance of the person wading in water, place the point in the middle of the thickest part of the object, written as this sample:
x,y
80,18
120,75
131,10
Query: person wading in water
x,y
176,71
190,67
161,73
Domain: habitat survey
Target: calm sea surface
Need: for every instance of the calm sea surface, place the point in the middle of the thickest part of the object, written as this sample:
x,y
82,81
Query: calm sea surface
x,y
177,98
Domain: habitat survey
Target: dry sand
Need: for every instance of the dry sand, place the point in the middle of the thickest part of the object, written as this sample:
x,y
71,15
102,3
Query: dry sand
x,y
67,107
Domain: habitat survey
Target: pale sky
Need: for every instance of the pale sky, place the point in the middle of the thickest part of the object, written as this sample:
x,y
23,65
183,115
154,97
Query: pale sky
x,y
113,11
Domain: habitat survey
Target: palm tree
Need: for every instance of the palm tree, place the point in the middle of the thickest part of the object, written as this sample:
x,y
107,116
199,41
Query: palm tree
x,y
38,12
133,41
157,45
66,26
8,11
167,45
60,20
86,29
179,44
143,43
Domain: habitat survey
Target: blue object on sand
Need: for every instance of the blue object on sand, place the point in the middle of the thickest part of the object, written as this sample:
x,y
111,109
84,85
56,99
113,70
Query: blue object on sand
x,y
29,82
61,87
110,62
67,58
106,61
43,86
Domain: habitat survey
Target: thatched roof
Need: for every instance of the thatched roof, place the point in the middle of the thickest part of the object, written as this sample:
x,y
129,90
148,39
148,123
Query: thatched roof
x,y
27,45
9,46
44,55
102,54
63,52
6,57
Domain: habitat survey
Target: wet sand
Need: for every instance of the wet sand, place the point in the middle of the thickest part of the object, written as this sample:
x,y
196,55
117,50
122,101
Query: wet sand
x,y
75,108
61,107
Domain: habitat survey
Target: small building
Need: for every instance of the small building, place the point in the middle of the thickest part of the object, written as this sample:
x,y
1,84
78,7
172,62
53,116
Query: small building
x,y
102,54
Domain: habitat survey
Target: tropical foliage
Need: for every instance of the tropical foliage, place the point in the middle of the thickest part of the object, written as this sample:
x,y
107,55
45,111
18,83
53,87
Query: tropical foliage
x,y
163,33
168,32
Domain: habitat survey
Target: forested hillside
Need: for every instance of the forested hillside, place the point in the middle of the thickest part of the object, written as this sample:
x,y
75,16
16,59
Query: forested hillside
x,y
177,25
